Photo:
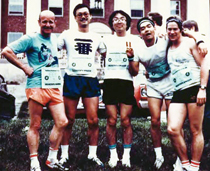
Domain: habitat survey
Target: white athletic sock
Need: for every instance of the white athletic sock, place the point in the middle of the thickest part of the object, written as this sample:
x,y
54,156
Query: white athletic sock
x,y
186,164
126,153
113,153
158,152
92,151
65,151
52,154
195,165
34,159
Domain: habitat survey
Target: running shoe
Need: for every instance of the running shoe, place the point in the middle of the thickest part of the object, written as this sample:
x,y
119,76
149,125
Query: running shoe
x,y
95,161
113,162
35,168
65,163
126,162
158,162
55,165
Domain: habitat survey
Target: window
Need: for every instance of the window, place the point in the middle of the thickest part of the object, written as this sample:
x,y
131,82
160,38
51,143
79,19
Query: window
x,y
56,6
16,7
12,36
97,8
175,7
137,8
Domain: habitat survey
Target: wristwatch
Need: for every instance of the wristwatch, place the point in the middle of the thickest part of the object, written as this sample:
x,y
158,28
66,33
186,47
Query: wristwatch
x,y
202,87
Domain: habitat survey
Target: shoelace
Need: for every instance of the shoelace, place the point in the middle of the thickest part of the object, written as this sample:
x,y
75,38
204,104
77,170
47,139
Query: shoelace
x,y
36,168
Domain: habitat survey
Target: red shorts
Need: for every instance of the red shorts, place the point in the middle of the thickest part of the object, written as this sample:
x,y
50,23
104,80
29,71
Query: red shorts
x,y
44,96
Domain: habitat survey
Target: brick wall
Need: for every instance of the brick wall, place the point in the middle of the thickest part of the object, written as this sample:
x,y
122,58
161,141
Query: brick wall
x,y
11,23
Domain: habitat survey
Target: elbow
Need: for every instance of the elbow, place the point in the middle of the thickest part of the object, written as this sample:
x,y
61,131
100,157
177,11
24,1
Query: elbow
x,y
5,52
133,73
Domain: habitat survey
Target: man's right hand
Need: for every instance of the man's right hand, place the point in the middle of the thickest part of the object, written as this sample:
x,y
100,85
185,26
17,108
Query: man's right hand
x,y
28,70
130,53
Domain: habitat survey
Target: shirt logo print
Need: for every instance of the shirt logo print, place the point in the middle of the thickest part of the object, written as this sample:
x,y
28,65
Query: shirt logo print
x,y
83,46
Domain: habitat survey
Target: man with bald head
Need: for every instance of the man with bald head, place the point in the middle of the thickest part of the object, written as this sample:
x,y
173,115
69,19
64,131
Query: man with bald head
x,y
42,68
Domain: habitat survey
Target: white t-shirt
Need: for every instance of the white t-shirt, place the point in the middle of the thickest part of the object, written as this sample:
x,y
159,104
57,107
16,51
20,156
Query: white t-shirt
x,y
81,50
154,58
116,58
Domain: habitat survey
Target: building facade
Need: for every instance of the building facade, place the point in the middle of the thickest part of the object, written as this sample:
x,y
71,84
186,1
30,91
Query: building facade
x,y
19,17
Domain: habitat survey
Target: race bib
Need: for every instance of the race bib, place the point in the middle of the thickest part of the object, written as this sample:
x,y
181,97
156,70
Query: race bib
x,y
181,77
81,65
116,61
158,71
51,77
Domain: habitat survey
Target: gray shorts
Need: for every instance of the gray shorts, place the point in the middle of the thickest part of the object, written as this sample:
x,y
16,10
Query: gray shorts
x,y
161,89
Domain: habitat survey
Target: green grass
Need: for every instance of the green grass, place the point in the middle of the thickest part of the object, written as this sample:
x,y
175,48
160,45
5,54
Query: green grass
x,y
14,154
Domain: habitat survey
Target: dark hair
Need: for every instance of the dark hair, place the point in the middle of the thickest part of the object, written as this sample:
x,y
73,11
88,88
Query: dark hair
x,y
156,17
175,19
190,24
80,6
128,19
144,19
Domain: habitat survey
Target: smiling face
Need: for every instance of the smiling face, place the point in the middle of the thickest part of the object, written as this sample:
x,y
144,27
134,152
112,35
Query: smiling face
x,y
119,23
173,31
147,31
46,23
83,17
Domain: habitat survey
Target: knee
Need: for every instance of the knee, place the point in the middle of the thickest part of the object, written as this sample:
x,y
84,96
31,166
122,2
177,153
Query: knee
x,y
196,130
172,132
155,123
62,123
70,123
125,122
112,122
35,125
93,122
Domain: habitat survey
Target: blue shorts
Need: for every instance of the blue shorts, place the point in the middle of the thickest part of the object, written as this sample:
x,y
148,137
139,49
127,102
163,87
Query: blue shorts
x,y
75,87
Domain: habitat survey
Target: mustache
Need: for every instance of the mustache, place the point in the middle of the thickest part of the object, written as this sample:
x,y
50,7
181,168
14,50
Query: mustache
x,y
48,27
84,19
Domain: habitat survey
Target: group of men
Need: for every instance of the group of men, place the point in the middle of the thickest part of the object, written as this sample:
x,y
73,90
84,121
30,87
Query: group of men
x,y
172,73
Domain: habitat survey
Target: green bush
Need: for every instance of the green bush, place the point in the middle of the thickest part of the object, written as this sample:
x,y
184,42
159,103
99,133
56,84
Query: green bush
x,y
14,153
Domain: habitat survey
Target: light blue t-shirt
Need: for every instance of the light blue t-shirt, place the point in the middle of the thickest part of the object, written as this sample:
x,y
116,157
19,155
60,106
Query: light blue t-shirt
x,y
40,52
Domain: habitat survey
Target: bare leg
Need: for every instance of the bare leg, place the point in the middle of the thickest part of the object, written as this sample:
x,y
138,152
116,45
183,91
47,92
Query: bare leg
x,y
35,111
61,122
155,110
176,117
91,108
125,112
196,120
71,109
111,111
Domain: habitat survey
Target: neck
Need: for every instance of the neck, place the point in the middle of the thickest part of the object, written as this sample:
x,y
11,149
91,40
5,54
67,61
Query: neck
x,y
150,42
176,43
83,29
45,35
121,33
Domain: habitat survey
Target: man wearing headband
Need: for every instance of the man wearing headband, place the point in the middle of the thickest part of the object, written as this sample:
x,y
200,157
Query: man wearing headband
x,y
151,53
189,73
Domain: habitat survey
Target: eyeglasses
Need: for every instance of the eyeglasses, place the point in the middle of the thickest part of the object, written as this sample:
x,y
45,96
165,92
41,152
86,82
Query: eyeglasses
x,y
119,19
81,14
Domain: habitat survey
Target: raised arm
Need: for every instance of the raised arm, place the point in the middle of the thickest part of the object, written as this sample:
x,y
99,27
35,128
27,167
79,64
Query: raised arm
x,y
133,65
